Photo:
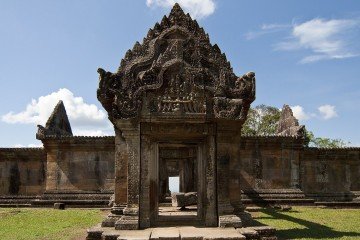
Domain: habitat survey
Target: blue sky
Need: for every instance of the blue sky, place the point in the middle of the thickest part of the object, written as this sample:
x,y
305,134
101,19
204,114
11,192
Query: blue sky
x,y
305,54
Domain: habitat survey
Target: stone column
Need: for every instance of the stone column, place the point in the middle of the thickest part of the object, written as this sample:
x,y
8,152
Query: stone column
x,y
128,152
295,169
209,157
51,170
121,180
230,207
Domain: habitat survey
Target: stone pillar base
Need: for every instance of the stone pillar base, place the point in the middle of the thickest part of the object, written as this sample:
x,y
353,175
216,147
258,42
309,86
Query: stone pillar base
x,y
130,219
118,209
116,214
230,221
127,223
238,220
110,220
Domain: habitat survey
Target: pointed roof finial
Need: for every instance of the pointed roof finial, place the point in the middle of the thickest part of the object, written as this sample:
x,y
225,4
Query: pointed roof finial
x,y
177,8
57,125
177,12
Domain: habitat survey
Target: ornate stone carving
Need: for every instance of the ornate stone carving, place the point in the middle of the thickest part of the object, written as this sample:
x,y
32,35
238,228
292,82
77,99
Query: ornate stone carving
x,y
288,125
176,70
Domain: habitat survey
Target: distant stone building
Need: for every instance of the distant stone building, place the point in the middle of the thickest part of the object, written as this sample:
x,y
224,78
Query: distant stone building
x,y
177,109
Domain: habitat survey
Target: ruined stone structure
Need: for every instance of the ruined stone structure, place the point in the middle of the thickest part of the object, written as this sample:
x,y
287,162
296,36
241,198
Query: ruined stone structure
x,y
177,110
176,93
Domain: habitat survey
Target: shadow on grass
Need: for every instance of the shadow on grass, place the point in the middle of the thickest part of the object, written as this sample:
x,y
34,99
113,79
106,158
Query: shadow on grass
x,y
311,230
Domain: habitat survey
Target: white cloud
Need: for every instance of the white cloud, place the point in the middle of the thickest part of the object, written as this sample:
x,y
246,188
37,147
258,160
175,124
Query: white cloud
x,y
327,112
89,132
266,29
29,145
196,8
299,113
83,117
325,39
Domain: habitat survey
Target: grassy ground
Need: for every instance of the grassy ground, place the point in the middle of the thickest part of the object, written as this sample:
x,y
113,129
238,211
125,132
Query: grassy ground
x,y
23,223
313,223
299,223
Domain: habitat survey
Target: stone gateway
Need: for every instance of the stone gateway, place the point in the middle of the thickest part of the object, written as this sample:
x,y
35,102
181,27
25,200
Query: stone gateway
x,y
176,92
177,109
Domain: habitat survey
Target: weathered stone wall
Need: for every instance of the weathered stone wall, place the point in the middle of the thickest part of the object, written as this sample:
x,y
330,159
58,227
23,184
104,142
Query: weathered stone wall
x,y
79,164
270,162
87,164
22,171
330,172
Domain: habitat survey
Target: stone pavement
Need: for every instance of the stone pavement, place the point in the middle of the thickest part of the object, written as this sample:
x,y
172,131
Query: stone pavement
x,y
186,233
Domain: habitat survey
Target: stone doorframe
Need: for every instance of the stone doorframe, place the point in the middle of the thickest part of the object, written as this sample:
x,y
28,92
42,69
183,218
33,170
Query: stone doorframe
x,y
155,219
156,135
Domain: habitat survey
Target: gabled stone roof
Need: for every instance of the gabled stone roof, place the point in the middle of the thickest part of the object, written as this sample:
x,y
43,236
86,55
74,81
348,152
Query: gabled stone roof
x,y
176,71
58,123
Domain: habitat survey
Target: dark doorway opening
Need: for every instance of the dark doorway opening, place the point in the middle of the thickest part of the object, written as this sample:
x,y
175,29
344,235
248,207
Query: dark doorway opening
x,y
178,183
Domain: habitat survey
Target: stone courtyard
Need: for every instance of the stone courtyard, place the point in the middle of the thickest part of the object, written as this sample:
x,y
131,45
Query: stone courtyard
x,y
177,109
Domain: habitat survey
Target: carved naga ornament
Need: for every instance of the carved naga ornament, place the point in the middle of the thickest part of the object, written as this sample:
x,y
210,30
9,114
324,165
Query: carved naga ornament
x,y
176,71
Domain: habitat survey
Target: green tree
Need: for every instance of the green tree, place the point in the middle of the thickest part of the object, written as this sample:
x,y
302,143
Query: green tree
x,y
262,120
322,142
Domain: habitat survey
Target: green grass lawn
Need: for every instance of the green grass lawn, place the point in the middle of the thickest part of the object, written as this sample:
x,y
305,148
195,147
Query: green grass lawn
x,y
313,223
32,223
299,223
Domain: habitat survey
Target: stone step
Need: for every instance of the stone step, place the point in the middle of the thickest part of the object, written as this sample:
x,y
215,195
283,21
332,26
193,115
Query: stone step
x,y
71,203
14,205
183,233
275,195
275,191
293,201
76,196
171,233
353,204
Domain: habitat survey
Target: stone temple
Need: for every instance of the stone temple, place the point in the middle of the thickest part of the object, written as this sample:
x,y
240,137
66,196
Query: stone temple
x,y
177,108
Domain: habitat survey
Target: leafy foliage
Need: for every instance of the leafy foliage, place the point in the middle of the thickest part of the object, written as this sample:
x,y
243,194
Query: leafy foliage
x,y
322,142
262,120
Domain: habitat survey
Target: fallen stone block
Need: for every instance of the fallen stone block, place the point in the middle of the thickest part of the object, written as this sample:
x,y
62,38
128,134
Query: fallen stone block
x,y
183,199
60,206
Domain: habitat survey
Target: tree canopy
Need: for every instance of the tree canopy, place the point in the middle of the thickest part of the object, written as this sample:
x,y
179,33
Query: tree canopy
x,y
263,120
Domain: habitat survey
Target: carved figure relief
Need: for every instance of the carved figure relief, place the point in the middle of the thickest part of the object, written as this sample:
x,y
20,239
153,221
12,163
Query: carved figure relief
x,y
179,71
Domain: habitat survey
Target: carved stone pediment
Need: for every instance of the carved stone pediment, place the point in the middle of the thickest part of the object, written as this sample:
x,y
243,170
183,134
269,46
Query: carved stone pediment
x,y
176,71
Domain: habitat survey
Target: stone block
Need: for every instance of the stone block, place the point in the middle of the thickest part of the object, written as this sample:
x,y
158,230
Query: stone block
x,y
183,199
265,231
230,221
171,233
222,234
249,233
94,233
110,220
110,235
59,206
269,238
135,235
127,223
191,233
